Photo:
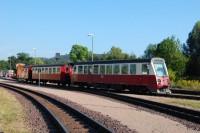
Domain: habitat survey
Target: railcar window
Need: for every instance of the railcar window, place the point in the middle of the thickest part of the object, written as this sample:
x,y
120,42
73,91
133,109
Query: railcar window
x,y
80,69
132,69
58,70
36,70
124,68
54,70
46,70
102,69
90,70
85,69
160,69
75,69
116,69
96,68
108,69
145,69
50,70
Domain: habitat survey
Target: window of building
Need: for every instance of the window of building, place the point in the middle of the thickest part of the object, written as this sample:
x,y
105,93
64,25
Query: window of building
x,y
124,68
102,69
96,69
145,69
132,69
116,69
109,69
80,69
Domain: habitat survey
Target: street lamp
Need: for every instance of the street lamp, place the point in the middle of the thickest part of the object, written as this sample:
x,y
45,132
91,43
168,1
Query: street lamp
x,y
34,49
92,36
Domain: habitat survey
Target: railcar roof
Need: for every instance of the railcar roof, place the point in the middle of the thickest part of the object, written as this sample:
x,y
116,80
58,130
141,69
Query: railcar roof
x,y
53,65
114,61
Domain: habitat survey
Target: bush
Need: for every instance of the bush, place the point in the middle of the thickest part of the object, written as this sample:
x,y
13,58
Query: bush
x,y
188,84
172,76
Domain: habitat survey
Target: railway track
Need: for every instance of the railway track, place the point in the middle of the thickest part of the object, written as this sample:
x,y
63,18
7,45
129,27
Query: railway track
x,y
179,112
64,117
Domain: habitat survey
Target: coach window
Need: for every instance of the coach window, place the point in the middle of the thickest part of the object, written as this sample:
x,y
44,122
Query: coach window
x,y
54,70
43,70
145,69
80,69
116,69
58,70
109,69
46,70
85,69
132,69
75,69
36,70
124,68
50,70
96,69
102,69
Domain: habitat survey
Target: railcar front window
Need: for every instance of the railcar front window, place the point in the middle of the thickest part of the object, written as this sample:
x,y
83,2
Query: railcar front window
x,y
160,69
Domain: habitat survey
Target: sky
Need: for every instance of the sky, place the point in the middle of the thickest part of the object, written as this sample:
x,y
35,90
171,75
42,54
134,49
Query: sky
x,y
53,26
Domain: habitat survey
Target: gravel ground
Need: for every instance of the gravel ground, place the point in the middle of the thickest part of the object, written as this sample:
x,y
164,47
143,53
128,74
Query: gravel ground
x,y
34,120
134,117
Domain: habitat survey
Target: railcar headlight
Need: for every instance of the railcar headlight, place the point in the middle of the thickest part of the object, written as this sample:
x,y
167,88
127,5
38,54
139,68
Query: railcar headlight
x,y
159,81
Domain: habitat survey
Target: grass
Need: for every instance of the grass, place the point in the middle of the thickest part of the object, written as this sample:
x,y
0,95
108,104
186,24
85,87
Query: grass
x,y
188,84
186,103
11,114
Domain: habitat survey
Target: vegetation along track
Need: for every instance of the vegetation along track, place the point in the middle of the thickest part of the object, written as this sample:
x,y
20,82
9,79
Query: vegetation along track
x,y
66,119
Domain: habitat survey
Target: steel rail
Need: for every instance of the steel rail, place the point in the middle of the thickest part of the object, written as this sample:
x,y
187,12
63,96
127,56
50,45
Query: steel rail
x,y
93,123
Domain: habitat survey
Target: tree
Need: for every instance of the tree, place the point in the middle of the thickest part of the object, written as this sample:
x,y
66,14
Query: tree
x,y
38,61
192,50
23,58
170,50
4,65
150,51
116,53
78,53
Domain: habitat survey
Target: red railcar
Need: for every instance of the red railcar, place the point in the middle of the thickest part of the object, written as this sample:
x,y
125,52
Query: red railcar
x,y
149,74
59,73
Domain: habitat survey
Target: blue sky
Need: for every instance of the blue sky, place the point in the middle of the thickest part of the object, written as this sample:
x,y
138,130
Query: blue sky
x,y
55,25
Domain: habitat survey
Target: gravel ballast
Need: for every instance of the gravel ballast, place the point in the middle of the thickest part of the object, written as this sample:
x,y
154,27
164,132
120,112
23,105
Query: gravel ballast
x,y
135,118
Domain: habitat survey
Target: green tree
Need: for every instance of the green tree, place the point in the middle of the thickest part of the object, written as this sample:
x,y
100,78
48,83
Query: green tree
x,y
78,53
4,65
192,50
170,50
116,53
12,61
150,51
38,61
23,58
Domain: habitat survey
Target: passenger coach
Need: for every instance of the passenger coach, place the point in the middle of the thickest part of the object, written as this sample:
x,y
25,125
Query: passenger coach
x,y
144,74
59,73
